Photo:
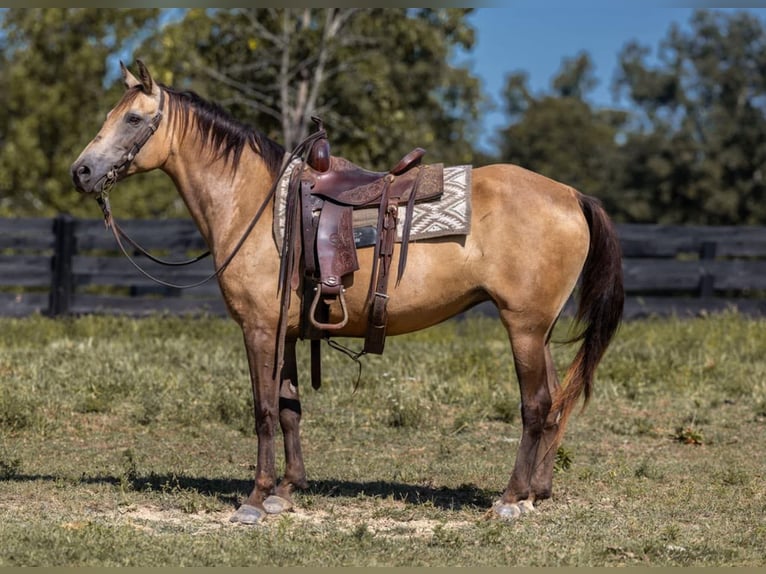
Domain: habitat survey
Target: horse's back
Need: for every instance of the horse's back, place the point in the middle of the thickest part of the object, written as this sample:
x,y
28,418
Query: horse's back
x,y
533,198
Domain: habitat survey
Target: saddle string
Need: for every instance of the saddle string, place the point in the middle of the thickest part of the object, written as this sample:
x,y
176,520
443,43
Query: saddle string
x,y
351,354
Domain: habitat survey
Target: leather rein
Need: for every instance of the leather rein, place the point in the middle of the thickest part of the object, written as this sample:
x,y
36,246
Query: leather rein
x,y
110,179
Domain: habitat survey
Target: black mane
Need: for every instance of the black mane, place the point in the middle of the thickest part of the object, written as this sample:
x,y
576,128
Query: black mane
x,y
226,135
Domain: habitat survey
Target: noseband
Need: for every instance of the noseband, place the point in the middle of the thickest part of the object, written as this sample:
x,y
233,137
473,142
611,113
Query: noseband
x,y
142,136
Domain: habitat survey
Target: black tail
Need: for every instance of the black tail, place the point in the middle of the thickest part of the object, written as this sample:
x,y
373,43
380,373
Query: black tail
x,y
600,306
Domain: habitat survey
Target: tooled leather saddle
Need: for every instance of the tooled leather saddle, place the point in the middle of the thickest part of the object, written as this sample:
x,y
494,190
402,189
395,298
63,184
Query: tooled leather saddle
x,y
319,249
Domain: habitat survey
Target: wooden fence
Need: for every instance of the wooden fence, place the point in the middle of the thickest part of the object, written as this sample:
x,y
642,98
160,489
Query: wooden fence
x,y
71,266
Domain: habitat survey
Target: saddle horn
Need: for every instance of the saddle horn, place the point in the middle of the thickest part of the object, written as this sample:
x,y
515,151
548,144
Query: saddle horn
x,y
319,155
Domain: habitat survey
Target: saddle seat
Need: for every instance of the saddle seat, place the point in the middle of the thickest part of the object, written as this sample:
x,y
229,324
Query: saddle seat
x,y
348,184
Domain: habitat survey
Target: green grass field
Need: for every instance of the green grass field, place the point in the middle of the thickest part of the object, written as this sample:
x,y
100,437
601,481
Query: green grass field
x,y
130,442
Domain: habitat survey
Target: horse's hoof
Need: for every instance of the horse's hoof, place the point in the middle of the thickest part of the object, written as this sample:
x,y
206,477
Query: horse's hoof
x,y
247,514
526,506
506,511
276,504
511,511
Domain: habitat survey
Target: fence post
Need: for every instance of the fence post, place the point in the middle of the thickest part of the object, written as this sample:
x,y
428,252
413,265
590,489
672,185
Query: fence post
x,y
707,253
62,279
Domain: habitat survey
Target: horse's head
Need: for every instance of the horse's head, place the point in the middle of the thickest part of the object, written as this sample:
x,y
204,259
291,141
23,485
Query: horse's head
x,y
124,145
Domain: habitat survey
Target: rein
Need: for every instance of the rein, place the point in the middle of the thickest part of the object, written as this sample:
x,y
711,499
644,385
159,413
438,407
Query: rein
x,y
110,179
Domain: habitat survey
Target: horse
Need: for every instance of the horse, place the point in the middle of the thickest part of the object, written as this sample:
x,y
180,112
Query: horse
x,y
533,242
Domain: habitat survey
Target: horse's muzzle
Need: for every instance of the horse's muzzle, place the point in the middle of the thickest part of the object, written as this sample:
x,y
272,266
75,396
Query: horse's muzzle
x,y
82,177
85,182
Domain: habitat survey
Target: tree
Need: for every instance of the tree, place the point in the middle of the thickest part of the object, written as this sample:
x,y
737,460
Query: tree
x,y
52,97
697,146
560,135
380,78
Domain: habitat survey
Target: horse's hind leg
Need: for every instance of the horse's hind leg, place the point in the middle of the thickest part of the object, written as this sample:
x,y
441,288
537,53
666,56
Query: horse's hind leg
x,y
532,474
542,478
289,420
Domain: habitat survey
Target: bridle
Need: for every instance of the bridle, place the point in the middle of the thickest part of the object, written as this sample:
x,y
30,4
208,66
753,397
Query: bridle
x,y
106,183
147,130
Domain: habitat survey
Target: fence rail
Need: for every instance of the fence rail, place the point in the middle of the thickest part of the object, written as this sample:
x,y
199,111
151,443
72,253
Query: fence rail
x,y
67,266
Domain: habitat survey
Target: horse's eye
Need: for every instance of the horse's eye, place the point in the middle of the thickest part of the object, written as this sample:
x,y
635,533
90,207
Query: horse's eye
x,y
133,119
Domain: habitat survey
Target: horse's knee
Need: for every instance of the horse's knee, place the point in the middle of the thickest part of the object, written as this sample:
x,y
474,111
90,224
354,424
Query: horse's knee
x,y
265,421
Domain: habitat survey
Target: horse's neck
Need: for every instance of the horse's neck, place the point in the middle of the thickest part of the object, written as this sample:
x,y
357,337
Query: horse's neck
x,y
221,202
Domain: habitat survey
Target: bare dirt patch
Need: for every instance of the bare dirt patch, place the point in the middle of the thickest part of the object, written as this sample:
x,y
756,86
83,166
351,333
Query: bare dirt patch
x,y
155,520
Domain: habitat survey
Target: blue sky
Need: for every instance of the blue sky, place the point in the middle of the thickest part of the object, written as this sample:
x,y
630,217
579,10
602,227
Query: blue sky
x,y
534,36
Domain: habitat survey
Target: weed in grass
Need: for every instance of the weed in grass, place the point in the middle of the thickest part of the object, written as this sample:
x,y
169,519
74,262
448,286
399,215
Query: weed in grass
x,y
585,473
19,409
93,402
564,459
129,475
463,421
147,410
689,435
363,533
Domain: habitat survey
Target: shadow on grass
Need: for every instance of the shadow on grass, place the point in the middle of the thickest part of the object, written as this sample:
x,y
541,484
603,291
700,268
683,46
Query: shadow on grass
x,y
463,496
234,491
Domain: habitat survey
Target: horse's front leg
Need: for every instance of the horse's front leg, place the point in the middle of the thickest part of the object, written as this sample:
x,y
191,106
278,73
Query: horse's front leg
x,y
261,355
289,420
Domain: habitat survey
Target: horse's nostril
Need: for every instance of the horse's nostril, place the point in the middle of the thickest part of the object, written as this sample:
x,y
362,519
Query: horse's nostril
x,y
80,173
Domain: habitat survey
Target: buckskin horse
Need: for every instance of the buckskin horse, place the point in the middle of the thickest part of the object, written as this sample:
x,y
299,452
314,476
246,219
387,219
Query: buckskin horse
x,y
531,239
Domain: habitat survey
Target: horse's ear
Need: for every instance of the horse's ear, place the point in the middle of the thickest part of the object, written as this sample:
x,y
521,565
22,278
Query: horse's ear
x,y
128,79
145,77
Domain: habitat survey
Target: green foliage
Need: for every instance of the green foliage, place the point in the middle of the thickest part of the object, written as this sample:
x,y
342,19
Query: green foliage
x,y
560,135
697,148
380,78
689,435
564,459
688,145
52,99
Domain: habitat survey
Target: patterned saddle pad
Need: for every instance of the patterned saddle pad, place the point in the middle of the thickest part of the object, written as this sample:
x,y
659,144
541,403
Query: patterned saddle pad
x,y
450,215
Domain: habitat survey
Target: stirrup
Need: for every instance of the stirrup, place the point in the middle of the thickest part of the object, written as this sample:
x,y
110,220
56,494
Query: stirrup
x,y
328,326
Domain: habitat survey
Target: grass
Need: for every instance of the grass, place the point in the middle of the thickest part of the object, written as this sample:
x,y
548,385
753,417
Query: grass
x,y
130,442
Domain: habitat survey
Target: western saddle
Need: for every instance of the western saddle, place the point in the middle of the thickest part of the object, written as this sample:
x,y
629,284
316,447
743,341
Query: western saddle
x,y
319,250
